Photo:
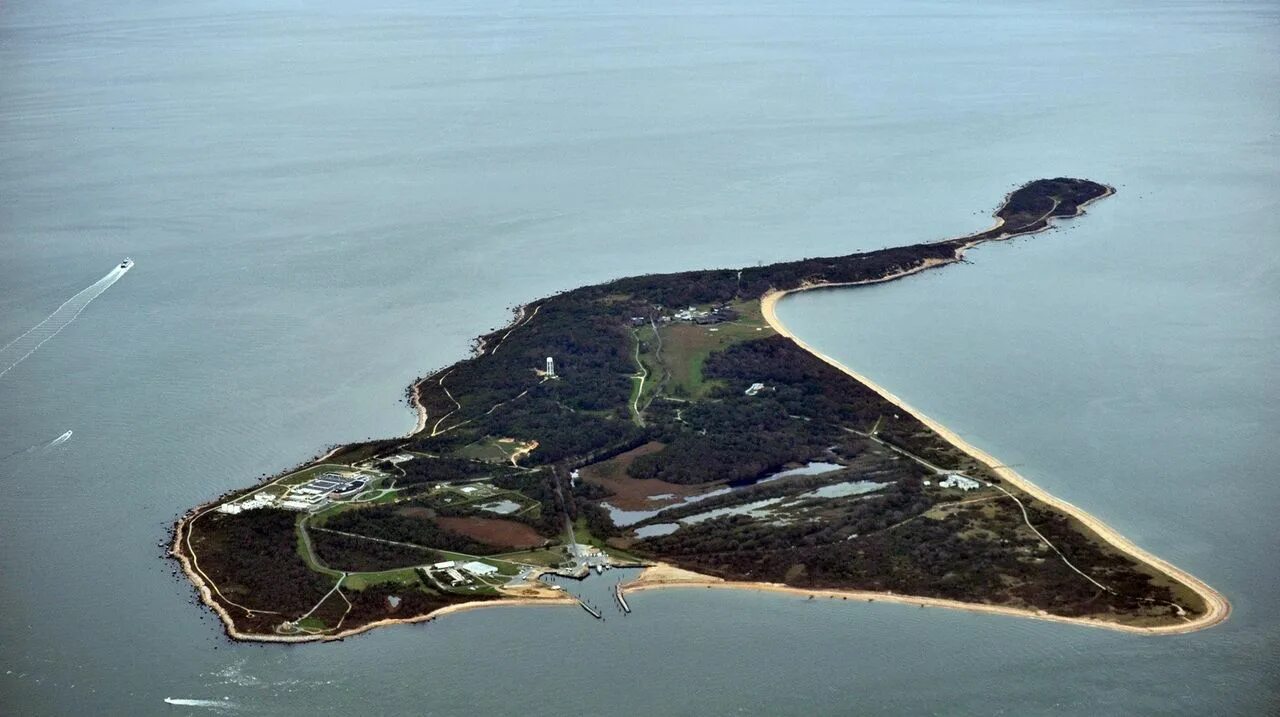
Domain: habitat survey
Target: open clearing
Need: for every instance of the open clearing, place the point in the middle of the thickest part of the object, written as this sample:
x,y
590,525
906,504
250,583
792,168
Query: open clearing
x,y
494,531
636,493
685,347
494,450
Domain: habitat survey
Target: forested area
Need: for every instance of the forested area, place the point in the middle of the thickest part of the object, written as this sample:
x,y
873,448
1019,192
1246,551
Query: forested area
x,y
253,558
965,556
732,438
372,603
440,469
410,523
343,552
537,486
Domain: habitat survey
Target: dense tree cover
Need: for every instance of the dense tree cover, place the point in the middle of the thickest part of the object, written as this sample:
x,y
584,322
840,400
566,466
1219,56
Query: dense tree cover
x,y
896,550
442,469
1027,208
590,347
801,383
1104,565
808,386
540,486
343,552
597,518
356,452
1024,210
562,432
373,603
412,523
733,438
253,558
676,291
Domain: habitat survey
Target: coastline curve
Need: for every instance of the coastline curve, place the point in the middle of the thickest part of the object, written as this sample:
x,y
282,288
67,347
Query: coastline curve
x,y
1218,608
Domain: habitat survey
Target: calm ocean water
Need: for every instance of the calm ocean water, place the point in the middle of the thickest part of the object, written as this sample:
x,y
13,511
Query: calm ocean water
x,y
327,199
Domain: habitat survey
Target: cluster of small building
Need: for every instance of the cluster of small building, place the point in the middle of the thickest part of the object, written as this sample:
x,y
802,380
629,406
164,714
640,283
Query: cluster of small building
x,y
471,492
257,500
694,315
955,480
315,493
319,491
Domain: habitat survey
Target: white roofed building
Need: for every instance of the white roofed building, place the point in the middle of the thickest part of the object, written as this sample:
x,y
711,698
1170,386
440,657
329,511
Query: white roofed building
x,y
478,568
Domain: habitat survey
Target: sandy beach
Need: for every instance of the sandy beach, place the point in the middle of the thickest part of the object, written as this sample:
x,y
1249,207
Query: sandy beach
x,y
421,411
1218,608
664,576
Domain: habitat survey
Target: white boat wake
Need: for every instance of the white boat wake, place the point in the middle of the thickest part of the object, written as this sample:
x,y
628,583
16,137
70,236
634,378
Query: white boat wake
x,y
215,704
58,441
19,349
39,446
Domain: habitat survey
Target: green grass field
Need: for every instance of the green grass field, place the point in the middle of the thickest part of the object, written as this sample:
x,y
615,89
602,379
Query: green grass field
x,y
307,555
685,347
547,557
401,576
491,450
647,351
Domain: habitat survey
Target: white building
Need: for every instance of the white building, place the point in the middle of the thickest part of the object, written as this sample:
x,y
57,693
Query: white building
x,y
955,480
443,566
253,502
551,367
754,389
478,568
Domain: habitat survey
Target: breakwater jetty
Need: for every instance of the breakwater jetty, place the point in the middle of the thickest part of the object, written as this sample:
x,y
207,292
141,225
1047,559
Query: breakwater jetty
x,y
622,601
594,612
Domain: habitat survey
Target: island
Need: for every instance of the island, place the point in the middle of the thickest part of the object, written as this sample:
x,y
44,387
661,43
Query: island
x,y
671,422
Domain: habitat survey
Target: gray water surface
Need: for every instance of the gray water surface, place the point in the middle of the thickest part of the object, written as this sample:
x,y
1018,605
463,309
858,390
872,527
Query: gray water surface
x,y
327,199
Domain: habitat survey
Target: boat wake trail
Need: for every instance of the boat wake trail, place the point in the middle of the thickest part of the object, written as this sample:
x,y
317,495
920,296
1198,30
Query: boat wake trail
x,y
39,446
58,441
19,349
214,704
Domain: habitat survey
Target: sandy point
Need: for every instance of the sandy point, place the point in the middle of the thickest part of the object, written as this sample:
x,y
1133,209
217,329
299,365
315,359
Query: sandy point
x,y
1217,608
663,576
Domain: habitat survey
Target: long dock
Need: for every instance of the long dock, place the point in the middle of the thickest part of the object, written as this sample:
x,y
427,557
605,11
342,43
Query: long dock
x,y
622,601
